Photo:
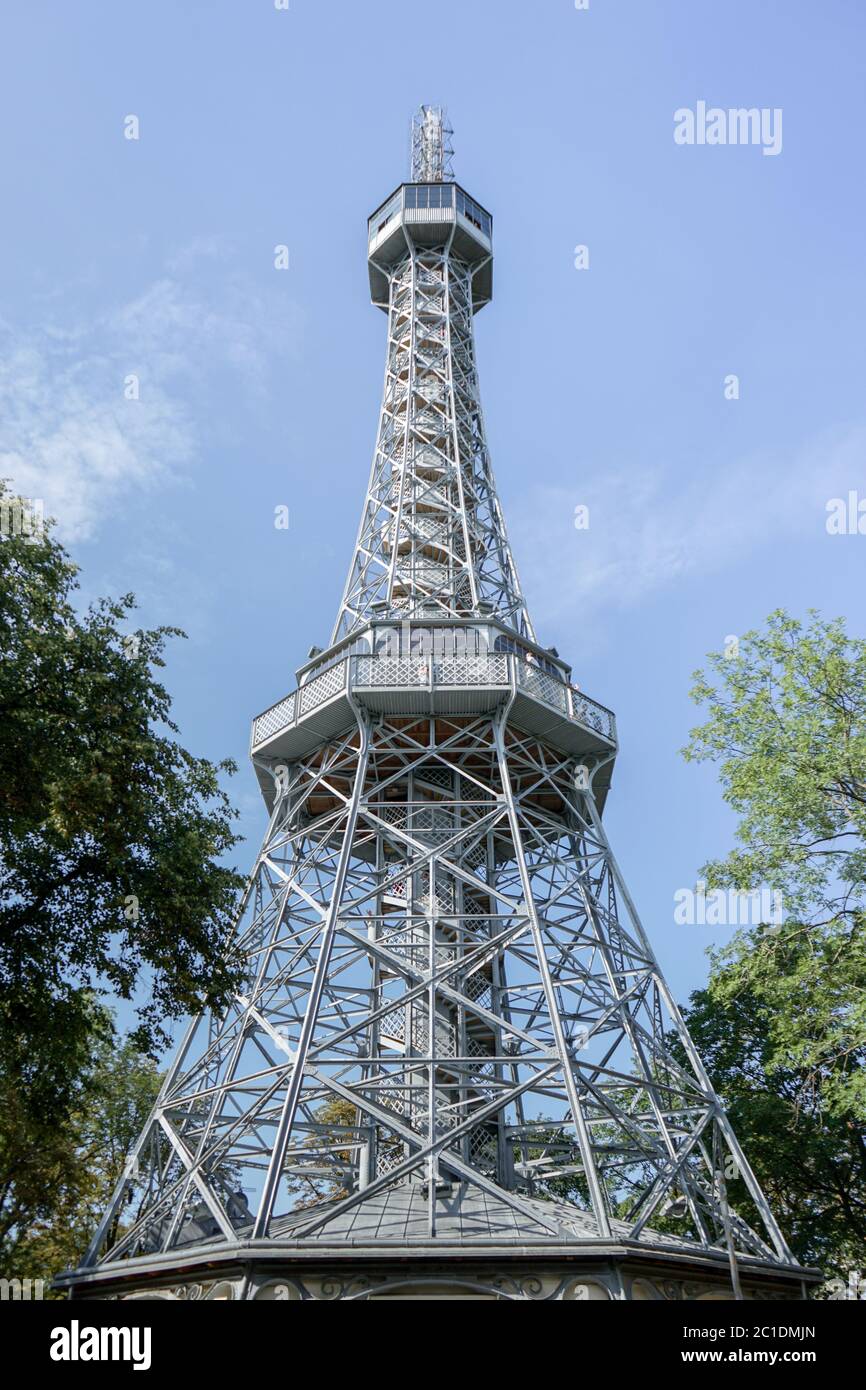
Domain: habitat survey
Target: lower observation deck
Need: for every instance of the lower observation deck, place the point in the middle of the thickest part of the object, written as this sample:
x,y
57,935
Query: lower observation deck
x,y
321,708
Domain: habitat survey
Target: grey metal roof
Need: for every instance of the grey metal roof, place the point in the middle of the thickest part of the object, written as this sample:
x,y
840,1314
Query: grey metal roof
x,y
399,1215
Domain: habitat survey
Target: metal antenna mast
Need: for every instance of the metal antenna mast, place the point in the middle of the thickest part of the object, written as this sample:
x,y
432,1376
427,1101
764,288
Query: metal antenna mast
x,y
431,146
455,1068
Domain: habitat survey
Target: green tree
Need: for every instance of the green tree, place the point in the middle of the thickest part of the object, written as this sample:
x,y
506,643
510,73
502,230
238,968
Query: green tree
x,y
58,1178
808,1152
786,724
782,1023
332,1142
111,833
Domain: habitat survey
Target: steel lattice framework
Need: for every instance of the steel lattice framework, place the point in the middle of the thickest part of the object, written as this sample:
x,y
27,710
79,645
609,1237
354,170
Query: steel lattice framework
x,y
432,537
432,152
454,1034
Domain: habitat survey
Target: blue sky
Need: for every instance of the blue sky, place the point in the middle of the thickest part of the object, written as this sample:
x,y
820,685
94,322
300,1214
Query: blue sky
x,y
602,387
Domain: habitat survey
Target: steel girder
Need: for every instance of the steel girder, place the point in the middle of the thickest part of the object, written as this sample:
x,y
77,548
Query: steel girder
x,y
447,984
431,146
432,538
448,989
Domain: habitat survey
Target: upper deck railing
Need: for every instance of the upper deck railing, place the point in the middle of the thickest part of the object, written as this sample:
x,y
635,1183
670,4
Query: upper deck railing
x,y
491,670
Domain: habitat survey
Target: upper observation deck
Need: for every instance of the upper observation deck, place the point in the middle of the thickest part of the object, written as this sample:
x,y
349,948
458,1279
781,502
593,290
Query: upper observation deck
x,y
461,667
430,214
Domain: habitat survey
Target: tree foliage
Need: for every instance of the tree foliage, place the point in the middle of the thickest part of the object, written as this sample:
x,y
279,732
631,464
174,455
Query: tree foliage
x,y
111,833
786,724
806,1147
782,1022
58,1176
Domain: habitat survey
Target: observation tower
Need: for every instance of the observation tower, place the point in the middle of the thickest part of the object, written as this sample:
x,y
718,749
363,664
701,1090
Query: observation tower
x,y
455,1069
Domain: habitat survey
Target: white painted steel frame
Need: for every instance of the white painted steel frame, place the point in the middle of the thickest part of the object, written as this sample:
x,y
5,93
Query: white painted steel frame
x,y
432,539
438,937
447,982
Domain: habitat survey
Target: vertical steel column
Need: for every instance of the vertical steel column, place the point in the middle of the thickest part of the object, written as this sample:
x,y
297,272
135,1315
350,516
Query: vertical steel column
x,y
584,1138
290,1104
751,1181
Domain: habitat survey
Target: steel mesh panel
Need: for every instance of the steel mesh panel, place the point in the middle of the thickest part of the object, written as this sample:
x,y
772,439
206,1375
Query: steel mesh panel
x,y
274,719
542,686
322,687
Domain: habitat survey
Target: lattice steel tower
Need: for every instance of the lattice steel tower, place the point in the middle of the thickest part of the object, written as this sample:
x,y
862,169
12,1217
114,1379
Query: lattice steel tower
x,y
455,1069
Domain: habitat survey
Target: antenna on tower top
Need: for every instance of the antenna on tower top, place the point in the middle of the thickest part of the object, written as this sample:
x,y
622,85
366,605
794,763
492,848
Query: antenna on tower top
x,y
432,150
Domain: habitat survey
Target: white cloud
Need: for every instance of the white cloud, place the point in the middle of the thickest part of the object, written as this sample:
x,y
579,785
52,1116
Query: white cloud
x,y
68,434
69,437
651,527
